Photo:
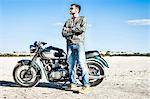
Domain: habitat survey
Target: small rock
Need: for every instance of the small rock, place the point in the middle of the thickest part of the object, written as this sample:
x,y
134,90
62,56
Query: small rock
x,y
117,84
4,97
131,71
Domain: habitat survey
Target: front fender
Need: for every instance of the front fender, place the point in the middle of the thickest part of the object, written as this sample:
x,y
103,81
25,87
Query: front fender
x,y
25,62
29,62
99,60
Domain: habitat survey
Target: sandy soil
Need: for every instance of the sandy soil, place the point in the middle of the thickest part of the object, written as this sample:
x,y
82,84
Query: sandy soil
x,y
127,78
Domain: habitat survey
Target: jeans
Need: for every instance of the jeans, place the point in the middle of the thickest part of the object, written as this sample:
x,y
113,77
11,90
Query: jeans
x,y
76,53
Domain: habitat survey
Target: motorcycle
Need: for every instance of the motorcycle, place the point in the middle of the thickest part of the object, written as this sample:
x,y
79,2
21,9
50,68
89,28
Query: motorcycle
x,y
53,61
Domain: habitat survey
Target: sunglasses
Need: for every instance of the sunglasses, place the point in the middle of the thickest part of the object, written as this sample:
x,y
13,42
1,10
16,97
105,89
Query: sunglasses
x,y
71,8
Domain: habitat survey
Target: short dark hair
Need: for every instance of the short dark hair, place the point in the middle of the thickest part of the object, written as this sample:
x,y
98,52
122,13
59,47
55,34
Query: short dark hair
x,y
77,5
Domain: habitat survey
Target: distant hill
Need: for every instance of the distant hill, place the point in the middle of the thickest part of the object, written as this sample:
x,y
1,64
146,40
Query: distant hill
x,y
107,53
16,54
111,53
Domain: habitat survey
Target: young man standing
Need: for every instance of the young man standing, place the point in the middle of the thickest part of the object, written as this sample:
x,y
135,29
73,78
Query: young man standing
x,y
74,32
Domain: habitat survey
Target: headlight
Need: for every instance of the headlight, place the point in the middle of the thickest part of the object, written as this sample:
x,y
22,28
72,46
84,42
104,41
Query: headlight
x,y
32,48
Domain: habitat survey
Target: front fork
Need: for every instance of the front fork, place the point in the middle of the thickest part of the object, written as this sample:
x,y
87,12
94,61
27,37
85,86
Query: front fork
x,y
41,69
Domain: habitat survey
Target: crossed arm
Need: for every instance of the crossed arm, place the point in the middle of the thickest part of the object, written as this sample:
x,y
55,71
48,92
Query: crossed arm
x,y
78,29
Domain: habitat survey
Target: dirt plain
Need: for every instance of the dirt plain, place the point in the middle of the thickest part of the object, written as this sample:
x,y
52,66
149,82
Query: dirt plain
x,y
127,78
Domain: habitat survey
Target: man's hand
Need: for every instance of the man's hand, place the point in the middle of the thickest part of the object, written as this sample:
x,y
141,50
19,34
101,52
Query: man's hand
x,y
68,29
78,33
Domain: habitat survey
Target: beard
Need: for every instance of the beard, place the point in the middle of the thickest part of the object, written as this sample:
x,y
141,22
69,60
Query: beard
x,y
72,13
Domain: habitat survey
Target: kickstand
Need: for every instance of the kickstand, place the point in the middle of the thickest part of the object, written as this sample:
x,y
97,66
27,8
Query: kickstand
x,y
65,83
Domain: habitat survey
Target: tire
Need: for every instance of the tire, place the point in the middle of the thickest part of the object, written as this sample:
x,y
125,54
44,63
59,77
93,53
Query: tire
x,y
24,78
94,65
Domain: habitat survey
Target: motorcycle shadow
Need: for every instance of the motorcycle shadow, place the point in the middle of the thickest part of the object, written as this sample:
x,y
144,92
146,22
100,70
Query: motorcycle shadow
x,y
55,85
8,84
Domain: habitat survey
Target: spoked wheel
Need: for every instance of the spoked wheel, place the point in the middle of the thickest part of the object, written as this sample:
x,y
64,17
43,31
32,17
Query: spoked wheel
x,y
25,75
96,73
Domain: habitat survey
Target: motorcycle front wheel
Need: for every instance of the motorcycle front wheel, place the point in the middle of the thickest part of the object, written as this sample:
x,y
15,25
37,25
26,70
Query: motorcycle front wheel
x,y
25,75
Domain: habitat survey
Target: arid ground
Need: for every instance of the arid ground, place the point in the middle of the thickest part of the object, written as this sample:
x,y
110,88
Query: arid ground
x,y
127,78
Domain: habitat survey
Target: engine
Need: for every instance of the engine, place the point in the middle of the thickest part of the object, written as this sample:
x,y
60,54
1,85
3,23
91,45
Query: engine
x,y
59,74
56,69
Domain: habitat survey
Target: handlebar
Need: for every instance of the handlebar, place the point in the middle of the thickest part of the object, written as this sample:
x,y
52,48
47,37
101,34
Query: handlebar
x,y
38,43
44,43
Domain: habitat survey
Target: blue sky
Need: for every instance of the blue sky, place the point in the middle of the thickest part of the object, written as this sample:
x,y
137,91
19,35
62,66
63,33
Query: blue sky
x,y
114,25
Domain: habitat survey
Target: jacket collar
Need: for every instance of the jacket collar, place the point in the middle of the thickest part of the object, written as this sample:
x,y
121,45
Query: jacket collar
x,y
76,19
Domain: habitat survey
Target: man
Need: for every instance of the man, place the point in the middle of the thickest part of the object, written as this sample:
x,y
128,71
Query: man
x,y
74,32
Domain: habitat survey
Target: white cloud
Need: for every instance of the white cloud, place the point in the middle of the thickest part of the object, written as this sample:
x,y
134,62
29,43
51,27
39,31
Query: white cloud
x,y
89,25
139,22
58,24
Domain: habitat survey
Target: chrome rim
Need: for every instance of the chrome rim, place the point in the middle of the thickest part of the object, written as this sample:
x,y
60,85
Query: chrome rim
x,y
25,76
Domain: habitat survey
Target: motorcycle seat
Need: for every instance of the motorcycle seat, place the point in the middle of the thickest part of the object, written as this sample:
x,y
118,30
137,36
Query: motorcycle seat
x,y
91,54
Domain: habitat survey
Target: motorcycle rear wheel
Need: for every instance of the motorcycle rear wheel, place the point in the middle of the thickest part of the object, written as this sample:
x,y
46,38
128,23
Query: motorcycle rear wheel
x,y
96,71
24,76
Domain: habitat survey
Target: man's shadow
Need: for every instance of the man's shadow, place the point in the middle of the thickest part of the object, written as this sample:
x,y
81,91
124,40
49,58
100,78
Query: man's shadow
x,y
54,85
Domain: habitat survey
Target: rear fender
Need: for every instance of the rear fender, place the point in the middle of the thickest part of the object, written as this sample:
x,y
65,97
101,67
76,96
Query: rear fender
x,y
99,60
102,61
